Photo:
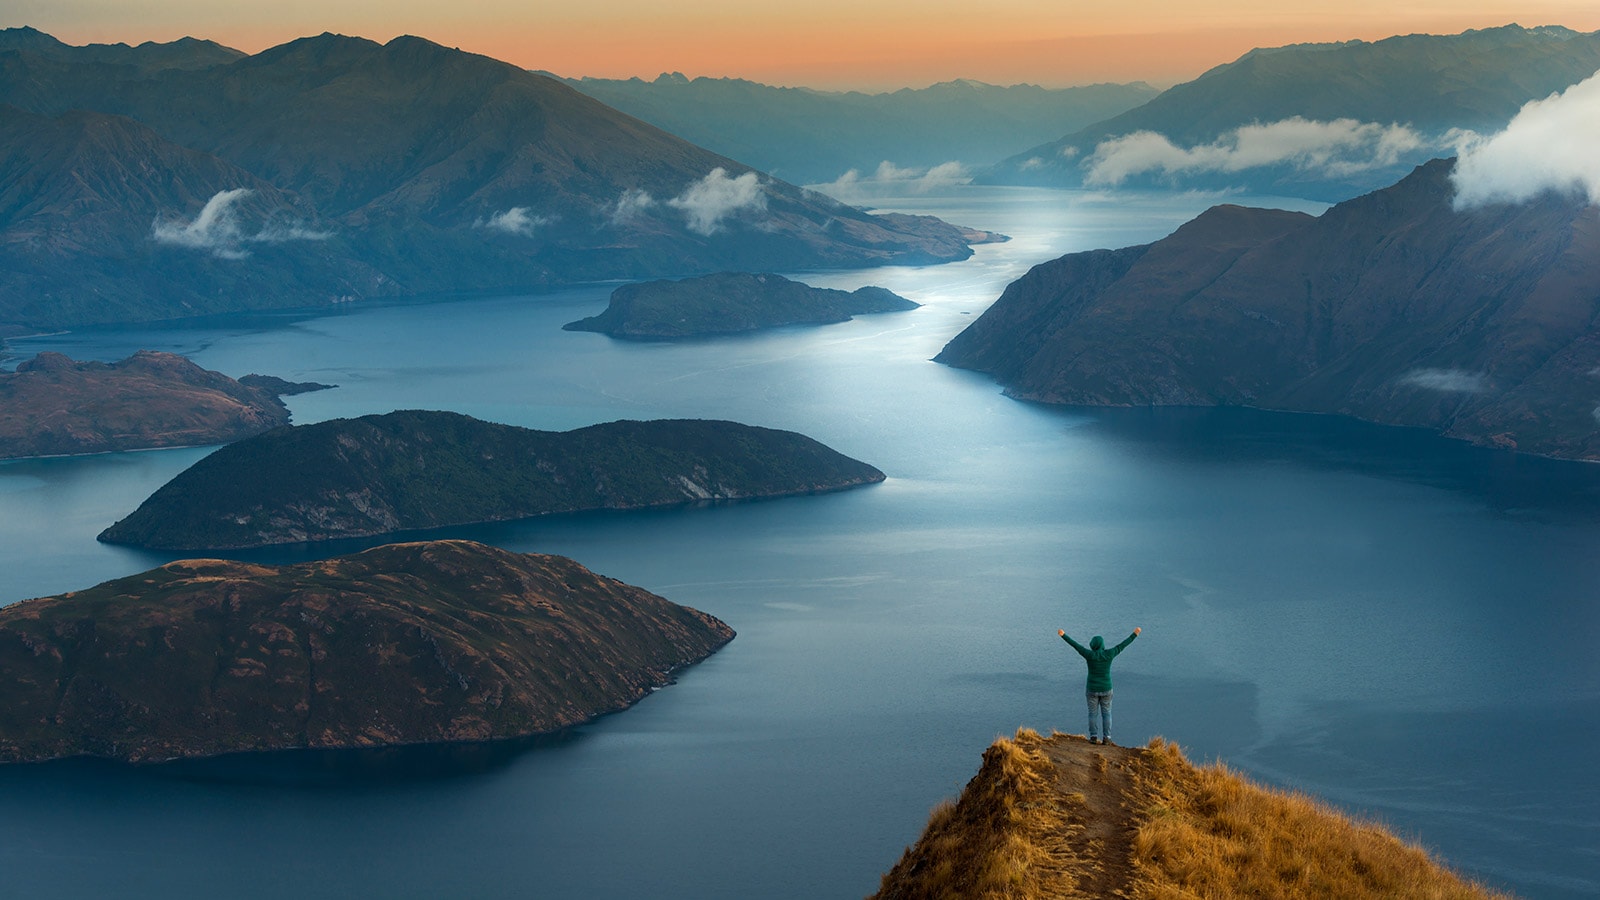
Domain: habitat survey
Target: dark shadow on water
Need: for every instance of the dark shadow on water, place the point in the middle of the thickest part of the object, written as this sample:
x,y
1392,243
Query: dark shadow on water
x,y
319,769
1511,484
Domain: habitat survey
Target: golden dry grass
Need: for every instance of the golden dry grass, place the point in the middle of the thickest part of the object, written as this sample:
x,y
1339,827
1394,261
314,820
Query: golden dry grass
x,y
1060,818
1207,833
1008,837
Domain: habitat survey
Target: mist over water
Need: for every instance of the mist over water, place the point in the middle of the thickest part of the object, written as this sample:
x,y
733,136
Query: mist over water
x,y
1401,624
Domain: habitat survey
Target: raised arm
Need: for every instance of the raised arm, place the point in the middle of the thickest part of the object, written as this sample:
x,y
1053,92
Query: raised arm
x,y
1082,650
1125,642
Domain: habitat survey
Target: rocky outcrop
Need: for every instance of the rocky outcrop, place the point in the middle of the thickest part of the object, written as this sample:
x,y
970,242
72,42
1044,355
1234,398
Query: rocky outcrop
x,y
401,644
53,406
414,469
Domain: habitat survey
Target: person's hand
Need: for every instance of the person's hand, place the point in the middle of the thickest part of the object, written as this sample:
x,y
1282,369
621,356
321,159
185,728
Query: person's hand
x,y
1061,632
1137,630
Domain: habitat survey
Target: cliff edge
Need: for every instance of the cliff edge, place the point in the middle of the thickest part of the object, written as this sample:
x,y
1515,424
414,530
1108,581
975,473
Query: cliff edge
x,y
1059,817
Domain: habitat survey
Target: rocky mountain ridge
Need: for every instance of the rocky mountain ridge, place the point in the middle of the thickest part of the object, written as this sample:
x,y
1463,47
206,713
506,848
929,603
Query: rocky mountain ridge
x,y
334,167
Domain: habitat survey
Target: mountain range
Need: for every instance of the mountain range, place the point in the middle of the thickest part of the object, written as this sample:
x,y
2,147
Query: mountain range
x,y
1397,307
809,136
178,179
1324,121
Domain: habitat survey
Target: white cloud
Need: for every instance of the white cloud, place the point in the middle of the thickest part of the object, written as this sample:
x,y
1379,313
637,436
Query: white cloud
x,y
516,221
717,196
852,186
279,232
1336,148
631,206
1451,381
215,229
1550,145
1032,162
943,175
218,230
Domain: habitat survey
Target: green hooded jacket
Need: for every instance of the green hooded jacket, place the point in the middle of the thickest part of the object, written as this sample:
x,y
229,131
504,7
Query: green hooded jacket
x,y
1099,659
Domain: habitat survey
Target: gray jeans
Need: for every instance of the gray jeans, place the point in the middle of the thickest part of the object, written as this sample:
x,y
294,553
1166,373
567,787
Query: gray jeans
x,y
1099,714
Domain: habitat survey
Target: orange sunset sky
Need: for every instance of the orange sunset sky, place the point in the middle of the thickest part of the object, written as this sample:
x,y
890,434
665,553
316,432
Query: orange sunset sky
x,y
869,44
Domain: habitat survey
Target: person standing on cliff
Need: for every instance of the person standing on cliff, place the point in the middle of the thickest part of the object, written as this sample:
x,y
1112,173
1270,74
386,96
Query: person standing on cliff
x,y
1098,688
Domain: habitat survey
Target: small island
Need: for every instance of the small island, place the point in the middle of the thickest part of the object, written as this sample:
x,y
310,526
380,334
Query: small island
x,y
416,469
55,406
730,303
401,644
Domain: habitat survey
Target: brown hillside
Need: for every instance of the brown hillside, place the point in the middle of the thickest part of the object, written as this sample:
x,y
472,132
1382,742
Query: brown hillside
x,y
429,642
1059,817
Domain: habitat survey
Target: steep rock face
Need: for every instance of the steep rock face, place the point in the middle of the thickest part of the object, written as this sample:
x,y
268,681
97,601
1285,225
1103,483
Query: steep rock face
x,y
406,643
374,170
729,303
415,469
53,406
1392,307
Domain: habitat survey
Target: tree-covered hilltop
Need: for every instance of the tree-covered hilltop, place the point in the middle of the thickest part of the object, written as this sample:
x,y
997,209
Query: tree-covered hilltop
x,y
416,469
401,644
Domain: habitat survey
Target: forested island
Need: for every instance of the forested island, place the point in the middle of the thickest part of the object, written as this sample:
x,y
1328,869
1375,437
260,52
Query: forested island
x,y
416,469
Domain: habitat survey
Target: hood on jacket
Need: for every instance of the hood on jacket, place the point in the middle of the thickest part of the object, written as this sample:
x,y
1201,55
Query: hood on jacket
x,y
1097,643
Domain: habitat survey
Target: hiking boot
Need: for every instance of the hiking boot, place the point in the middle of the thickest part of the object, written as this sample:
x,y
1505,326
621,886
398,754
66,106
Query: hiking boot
x,y
1108,743
1094,740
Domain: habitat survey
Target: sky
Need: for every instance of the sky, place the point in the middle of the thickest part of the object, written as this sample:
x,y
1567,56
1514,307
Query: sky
x,y
838,44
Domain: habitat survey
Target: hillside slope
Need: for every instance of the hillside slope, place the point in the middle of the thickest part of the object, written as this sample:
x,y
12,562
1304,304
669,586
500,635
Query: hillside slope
x,y
1393,307
334,167
400,644
52,406
1059,817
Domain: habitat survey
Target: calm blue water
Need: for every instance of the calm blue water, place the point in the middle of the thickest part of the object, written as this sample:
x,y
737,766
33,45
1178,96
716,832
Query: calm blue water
x,y
1401,624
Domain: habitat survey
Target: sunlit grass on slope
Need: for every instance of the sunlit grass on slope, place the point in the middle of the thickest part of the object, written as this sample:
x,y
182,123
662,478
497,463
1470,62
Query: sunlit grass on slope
x,y
1057,817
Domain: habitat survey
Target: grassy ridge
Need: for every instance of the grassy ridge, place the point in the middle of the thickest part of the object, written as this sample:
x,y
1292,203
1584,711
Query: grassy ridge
x,y
1058,817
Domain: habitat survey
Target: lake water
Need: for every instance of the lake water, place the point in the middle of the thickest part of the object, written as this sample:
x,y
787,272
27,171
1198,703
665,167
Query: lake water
x,y
1403,625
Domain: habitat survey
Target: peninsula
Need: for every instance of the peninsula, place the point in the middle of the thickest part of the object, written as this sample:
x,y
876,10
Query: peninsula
x,y
401,644
1394,307
54,406
415,469
730,303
